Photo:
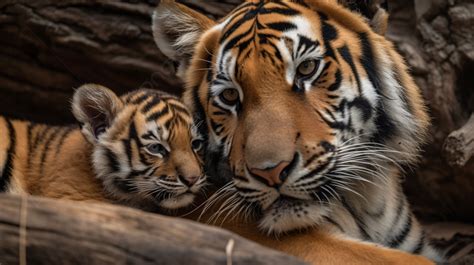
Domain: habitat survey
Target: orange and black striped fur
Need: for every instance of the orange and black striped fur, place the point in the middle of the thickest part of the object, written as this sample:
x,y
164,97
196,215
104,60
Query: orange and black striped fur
x,y
140,149
309,114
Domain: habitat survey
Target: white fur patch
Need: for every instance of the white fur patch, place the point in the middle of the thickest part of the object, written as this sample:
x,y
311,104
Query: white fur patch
x,y
178,202
292,215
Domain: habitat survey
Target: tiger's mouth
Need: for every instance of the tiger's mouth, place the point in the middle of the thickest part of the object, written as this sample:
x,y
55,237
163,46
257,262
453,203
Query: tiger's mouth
x,y
302,200
288,214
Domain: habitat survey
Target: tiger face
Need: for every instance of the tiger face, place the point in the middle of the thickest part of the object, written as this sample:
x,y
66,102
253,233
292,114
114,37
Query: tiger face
x,y
146,148
301,100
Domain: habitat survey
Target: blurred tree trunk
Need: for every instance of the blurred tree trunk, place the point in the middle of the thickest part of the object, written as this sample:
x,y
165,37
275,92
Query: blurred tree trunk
x,y
49,47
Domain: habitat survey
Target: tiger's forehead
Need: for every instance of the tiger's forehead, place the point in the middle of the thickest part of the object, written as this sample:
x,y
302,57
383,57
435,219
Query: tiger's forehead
x,y
275,34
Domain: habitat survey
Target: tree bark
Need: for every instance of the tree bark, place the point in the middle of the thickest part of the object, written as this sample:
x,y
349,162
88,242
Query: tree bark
x,y
459,146
45,231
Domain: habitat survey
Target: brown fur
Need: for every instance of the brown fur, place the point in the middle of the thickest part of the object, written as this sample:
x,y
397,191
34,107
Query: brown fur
x,y
53,162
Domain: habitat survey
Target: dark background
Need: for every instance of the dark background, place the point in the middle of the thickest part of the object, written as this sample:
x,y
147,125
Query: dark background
x,y
49,47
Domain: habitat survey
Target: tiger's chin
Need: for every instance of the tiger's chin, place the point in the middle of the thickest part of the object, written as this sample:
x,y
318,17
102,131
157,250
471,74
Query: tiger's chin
x,y
177,202
287,215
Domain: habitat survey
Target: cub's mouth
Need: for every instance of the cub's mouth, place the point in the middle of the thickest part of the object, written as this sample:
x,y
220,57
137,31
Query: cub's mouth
x,y
175,201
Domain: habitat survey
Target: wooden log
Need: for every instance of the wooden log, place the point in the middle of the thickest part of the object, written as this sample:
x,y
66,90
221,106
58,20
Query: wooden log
x,y
459,146
44,231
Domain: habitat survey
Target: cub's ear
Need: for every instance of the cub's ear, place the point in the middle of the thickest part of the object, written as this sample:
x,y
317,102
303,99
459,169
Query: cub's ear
x,y
176,30
95,107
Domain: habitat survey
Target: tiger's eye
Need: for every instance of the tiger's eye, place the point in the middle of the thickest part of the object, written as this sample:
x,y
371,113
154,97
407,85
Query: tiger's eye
x,y
156,149
307,68
229,96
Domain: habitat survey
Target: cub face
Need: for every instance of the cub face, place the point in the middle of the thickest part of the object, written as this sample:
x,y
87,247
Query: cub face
x,y
146,149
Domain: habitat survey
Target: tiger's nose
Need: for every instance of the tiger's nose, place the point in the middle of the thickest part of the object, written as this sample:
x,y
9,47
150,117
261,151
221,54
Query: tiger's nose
x,y
274,175
188,180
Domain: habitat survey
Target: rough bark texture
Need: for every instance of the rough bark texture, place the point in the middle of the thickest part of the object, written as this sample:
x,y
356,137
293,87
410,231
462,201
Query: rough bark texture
x,y
49,47
60,232
437,39
459,146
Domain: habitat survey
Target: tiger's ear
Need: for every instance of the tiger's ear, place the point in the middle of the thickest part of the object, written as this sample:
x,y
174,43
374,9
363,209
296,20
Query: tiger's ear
x,y
176,30
375,11
95,107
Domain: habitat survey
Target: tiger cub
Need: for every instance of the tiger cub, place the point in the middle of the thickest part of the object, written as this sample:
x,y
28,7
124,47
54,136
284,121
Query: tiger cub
x,y
140,149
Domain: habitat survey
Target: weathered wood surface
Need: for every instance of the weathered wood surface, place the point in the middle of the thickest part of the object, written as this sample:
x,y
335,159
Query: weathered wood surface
x,y
61,232
459,146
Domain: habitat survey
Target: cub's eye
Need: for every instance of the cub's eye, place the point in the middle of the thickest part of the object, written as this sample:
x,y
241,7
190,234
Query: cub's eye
x,y
197,144
229,96
156,149
307,68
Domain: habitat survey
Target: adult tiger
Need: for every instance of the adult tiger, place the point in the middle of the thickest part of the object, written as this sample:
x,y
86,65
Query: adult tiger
x,y
139,149
309,111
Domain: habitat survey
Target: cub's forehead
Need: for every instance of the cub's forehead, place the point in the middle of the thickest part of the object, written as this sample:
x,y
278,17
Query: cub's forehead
x,y
157,111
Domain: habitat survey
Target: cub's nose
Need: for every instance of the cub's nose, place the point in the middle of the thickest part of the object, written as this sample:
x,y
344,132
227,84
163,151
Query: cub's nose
x,y
188,180
273,175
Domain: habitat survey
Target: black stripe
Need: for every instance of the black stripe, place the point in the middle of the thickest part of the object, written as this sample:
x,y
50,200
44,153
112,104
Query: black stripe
x,y
421,244
347,56
29,135
385,126
44,154
112,160
310,160
400,238
282,26
337,82
316,170
359,223
333,124
140,99
363,105
329,33
305,45
232,42
151,104
62,138
331,221
368,62
8,166
246,190
248,16
178,108
281,11
199,116
216,127
158,114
